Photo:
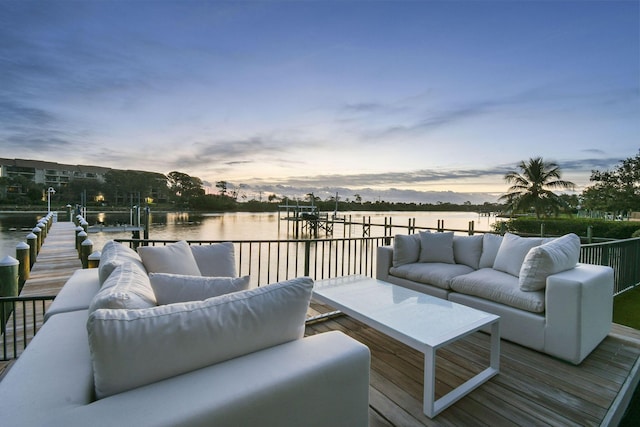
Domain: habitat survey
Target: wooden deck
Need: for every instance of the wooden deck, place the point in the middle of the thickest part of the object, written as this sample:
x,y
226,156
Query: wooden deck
x,y
531,388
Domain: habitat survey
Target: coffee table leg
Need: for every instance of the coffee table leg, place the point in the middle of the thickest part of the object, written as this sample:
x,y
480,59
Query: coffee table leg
x,y
429,381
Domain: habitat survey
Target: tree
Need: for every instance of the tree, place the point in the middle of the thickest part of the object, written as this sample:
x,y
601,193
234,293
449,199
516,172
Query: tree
x,y
531,188
617,190
222,185
358,198
185,188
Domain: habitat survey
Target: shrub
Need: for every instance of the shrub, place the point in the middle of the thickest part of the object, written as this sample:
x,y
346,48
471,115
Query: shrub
x,y
559,226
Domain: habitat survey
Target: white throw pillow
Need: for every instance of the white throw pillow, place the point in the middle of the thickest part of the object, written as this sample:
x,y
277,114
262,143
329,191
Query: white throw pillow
x,y
406,249
467,250
172,288
436,247
216,260
128,287
175,258
512,252
549,258
113,254
490,245
132,348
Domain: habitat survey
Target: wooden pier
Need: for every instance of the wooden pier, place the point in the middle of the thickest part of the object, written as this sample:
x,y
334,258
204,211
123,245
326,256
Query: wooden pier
x,y
55,263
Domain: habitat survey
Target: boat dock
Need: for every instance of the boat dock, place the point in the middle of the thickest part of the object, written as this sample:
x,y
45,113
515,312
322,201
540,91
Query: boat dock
x,y
531,388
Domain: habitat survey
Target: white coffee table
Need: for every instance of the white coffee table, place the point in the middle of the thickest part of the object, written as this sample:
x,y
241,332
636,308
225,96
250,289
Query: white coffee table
x,y
420,321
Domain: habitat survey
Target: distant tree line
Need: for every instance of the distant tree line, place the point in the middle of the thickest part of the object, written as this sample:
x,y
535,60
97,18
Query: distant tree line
x,y
533,191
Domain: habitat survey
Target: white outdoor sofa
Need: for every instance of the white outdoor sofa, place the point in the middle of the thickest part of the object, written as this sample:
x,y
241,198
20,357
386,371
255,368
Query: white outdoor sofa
x,y
238,359
547,301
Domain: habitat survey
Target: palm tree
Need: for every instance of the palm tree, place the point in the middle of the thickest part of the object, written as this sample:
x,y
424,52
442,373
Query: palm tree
x,y
531,187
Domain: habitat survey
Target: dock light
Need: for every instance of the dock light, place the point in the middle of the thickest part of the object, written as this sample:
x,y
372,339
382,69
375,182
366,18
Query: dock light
x,y
50,191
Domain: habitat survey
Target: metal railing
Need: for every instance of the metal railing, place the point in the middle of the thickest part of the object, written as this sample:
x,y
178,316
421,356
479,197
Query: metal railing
x,y
621,255
24,317
268,261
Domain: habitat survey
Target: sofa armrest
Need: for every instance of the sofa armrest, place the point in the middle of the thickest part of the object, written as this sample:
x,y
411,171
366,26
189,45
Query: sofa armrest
x,y
579,311
384,262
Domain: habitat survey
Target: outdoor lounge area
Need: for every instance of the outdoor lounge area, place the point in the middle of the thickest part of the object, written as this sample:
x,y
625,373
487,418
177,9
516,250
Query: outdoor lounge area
x,y
532,388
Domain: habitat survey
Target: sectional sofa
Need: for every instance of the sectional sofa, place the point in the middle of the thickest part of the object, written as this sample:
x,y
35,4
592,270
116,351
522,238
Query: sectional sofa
x,y
171,337
547,301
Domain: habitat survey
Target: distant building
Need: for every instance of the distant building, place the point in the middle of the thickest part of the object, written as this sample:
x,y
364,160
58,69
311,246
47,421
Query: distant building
x,y
50,174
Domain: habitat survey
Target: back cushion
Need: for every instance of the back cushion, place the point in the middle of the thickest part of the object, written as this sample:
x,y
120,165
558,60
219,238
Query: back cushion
x,y
512,252
436,247
550,258
132,348
128,286
216,260
406,249
467,250
113,254
175,258
490,245
172,288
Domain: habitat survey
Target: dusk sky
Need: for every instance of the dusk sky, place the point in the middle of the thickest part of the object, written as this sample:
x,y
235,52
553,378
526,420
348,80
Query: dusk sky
x,y
398,100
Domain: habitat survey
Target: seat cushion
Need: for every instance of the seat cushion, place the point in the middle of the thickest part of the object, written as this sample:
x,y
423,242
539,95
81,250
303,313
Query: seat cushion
x,y
131,348
431,273
172,288
500,287
215,260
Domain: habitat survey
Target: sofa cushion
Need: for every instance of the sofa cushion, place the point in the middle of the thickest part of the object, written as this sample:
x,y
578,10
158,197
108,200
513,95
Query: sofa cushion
x,y
113,254
127,287
431,273
549,258
436,247
172,288
131,348
175,258
467,250
500,287
406,249
215,260
490,245
512,252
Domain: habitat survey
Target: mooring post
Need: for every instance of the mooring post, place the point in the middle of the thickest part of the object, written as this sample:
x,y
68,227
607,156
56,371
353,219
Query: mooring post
x,y
8,286
86,248
80,237
32,240
22,255
94,259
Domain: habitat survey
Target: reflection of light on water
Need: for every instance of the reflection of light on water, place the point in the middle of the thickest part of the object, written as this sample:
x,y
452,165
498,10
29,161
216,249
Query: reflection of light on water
x,y
101,218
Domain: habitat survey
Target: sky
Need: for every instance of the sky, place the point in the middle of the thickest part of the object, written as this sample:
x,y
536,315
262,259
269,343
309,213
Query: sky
x,y
424,101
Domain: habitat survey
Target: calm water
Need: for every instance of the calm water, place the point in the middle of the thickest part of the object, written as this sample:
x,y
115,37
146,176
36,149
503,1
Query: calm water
x,y
14,227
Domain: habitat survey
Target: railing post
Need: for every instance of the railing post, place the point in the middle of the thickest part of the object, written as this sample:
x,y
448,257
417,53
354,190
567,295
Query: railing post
x,y
542,229
86,248
22,255
589,234
307,256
